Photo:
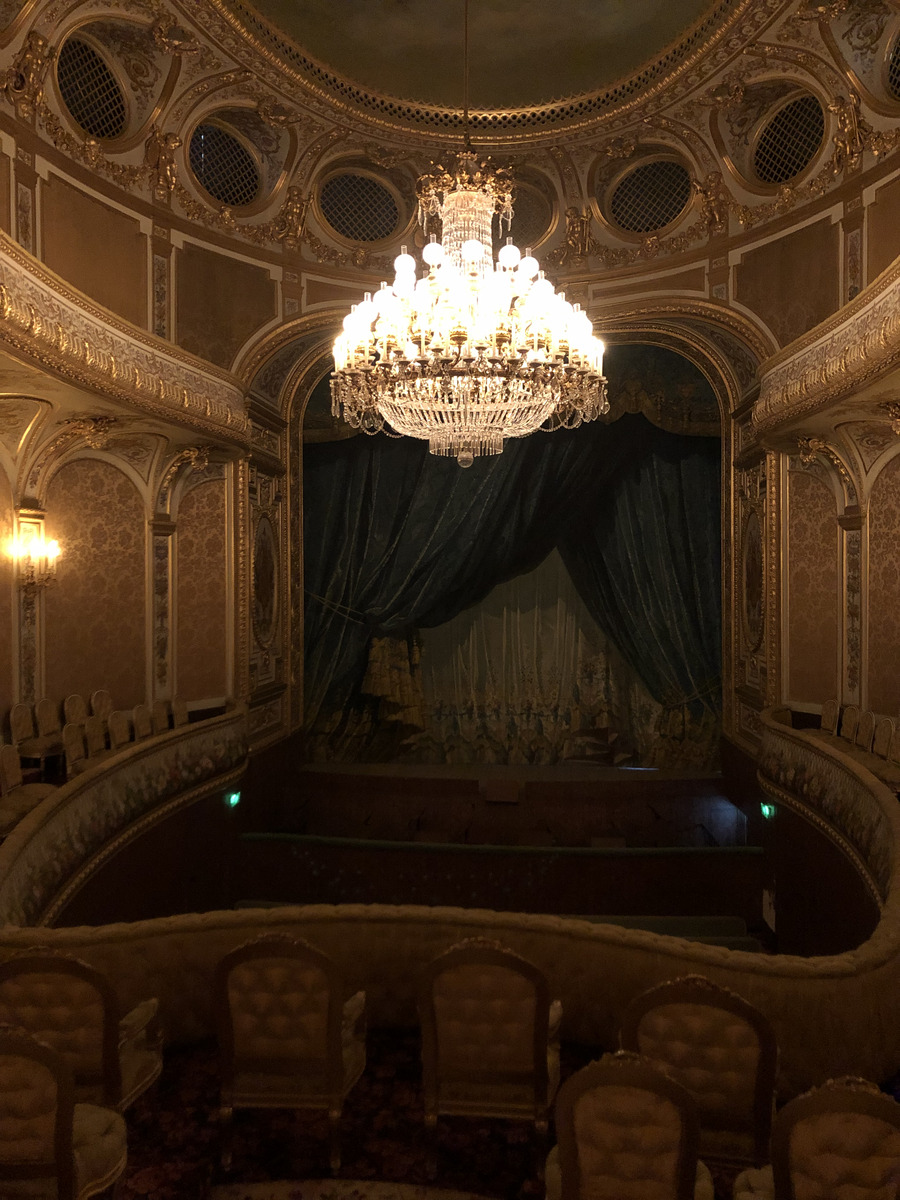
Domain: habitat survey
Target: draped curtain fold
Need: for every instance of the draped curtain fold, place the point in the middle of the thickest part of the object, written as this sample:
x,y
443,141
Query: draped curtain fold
x,y
396,539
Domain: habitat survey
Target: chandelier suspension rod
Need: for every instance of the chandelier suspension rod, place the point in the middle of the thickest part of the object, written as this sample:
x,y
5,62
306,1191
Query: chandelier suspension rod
x,y
466,140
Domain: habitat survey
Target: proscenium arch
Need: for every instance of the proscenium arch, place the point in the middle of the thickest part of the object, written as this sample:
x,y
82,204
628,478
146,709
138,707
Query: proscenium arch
x,y
314,365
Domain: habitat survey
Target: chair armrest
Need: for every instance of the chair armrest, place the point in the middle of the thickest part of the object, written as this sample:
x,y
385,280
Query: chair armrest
x,y
141,1019
353,1020
554,1021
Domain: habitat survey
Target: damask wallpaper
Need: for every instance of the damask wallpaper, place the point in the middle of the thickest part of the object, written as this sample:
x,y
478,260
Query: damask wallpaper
x,y
200,603
95,613
884,591
813,589
792,283
219,302
7,600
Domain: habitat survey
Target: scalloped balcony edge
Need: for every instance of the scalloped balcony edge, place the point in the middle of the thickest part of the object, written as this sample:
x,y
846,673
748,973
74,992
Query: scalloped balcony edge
x,y
854,348
56,327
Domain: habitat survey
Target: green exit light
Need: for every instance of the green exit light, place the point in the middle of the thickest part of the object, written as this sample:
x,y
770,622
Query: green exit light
x,y
232,799
768,811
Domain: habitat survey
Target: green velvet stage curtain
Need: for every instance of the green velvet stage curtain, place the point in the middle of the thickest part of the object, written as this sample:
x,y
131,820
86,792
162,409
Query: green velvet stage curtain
x,y
396,539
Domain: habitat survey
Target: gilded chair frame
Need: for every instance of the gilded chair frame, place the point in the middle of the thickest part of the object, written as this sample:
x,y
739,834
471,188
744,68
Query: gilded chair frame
x,y
108,1078
474,953
274,946
698,990
841,1096
17,1042
631,1071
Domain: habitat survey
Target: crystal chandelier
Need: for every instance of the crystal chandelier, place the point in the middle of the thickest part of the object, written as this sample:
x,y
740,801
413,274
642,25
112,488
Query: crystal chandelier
x,y
473,352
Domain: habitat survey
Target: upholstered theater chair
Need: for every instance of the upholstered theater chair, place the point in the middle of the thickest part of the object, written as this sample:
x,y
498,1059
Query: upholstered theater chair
x,y
31,744
839,1140
74,1009
50,1147
160,716
75,709
489,1036
76,752
625,1131
142,720
118,727
17,798
722,1050
287,1036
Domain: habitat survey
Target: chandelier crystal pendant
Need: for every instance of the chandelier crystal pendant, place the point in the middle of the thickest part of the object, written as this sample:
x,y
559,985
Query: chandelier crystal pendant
x,y
474,351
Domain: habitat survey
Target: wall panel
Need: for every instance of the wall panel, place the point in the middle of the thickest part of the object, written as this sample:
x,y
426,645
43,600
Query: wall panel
x,y
220,301
884,592
201,595
95,614
813,589
97,248
7,600
793,283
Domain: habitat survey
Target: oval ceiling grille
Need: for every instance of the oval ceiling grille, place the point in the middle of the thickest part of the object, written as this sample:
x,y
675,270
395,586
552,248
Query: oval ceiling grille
x,y
89,90
359,208
532,215
893,71
224,167
789,142
651,196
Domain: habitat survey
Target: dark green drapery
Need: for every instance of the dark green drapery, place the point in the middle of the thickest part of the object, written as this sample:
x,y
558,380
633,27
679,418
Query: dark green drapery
x,y
396,539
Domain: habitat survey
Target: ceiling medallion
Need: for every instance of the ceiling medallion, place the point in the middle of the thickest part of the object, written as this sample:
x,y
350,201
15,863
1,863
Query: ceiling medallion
x,y
474,352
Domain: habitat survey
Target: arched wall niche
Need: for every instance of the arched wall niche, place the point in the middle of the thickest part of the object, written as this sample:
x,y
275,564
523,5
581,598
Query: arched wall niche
x,y
95,614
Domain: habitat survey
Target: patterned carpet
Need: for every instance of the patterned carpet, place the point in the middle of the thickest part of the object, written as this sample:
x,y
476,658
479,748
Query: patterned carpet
x,y
334,1189
173,1140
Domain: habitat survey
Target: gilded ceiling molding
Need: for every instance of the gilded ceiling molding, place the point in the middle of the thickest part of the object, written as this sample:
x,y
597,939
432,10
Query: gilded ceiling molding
x,y
280,63
51,324
647,312
836,359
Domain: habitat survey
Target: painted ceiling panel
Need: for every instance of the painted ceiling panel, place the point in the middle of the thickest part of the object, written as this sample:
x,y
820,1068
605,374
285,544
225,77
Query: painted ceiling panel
x,y
522,52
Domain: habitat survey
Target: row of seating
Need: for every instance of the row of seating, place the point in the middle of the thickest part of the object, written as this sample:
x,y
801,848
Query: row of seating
x,y
867,731
693,1083
40,733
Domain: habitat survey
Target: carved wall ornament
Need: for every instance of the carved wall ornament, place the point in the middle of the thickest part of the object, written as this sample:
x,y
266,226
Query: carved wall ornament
x,y
95,430
23,82
288,226
580,243
811,448
159,159
195,458
172,37
891,408
853,136
715,201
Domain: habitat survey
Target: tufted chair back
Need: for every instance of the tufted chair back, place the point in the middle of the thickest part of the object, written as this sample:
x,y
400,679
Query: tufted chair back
x,y
830,715
849,722
287,1039
722,1050
36,1108
50,1147
487,1045
160,716
625,1132
101,703
143,722
72,1007
119,728
95,735
840,1139
75,709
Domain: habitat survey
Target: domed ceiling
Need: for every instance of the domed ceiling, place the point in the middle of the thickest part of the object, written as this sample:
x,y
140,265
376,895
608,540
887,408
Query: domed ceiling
x,y
521,52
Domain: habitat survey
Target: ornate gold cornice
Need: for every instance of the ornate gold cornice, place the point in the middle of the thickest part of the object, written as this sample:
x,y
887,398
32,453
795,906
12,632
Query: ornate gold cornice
x,y
716,38
46,321
852,349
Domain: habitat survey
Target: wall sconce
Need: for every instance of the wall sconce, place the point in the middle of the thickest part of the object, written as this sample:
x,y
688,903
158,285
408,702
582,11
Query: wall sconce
x,y
35,557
